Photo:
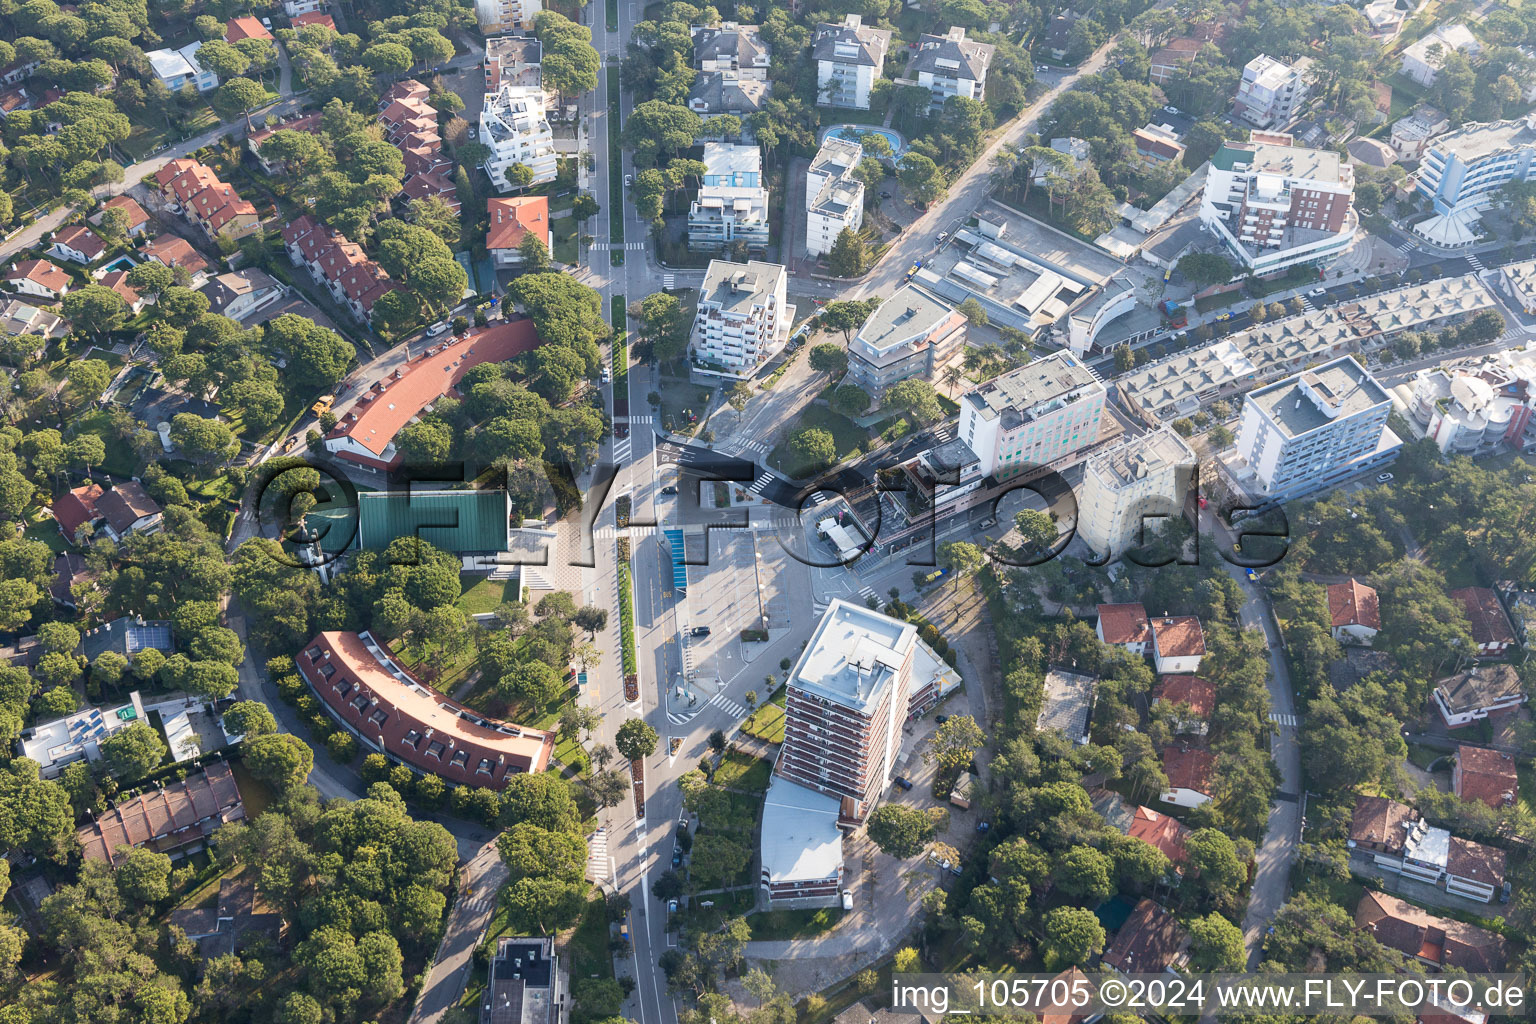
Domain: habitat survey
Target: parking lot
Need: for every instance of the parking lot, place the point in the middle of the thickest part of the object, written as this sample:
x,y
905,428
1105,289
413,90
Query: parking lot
x,y
722,597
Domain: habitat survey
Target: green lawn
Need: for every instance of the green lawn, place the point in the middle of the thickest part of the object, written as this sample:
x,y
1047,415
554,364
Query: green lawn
x,y
121,460
564,231
588,948
847,436
793,924
47,531
743,771
146,134
485,595
767,722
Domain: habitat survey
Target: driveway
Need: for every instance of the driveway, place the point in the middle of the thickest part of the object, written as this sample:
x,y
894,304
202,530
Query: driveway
x,y
479,882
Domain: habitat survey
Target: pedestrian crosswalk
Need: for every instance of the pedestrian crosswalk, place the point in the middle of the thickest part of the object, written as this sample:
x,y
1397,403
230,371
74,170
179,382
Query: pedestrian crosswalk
x,y
1406,246
632,246
623,451
597,855
1306,305
1279,719
632,532
642,419
1477,264
732,708
668,281
762,481
866,592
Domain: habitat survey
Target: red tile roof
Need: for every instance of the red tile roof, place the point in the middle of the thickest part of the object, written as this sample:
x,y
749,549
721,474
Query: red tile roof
x,y
313,18
40,272
512,219
165,819
415,723
1438,940
1353,604
1474,861
1489,623
381,411
125,504
1149,942
309,123
117,280
1178,636
1486,775
245,28
175,251
1165,833
136,216
81,239
1381,823
1124,624
1189,768
1199,694
73,510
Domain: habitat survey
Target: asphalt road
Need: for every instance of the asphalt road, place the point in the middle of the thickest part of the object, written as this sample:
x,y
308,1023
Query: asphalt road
x,y
480,880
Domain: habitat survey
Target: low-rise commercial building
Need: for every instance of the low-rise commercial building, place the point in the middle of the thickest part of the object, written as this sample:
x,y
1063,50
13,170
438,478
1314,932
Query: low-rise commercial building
x,y
802,846
523,983
1032,416
911,334
392,712
1130,490
742,320
1312,431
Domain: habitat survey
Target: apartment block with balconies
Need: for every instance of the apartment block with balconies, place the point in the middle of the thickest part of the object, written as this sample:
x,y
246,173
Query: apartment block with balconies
x,y
950,65
743,318
850,58
732,205
514,126
1270,91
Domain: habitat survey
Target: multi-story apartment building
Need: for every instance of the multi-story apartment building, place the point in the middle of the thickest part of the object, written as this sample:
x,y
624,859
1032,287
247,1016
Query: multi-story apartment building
x,y
512,60
514,126
910,334
1462,170
950,65
1128,487
834,198
497,16
194,189
846,701
1032,416
726,92
732,205
1270,91
339,265
743,319
1411,134
1276,205
849,60
1423,59
730,46
410,125
1311,431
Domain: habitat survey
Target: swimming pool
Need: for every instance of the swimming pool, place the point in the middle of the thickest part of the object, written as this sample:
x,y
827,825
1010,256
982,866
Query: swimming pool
x,y
121,263
851,133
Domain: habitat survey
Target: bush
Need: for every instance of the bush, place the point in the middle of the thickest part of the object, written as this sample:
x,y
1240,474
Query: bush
x,y
342,746
307,705
754,636
626,617
282,665
290,688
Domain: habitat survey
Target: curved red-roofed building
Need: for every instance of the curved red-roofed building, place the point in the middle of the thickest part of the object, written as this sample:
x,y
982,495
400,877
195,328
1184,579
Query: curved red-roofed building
x,y
394,713
366,433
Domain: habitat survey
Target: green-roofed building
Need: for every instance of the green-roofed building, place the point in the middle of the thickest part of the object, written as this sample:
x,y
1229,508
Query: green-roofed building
x,y
461,521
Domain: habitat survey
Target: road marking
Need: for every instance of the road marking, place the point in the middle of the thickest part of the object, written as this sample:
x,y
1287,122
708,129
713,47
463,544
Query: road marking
x,y
1476,263
720,700
597,855
1279,719
761,483
668,281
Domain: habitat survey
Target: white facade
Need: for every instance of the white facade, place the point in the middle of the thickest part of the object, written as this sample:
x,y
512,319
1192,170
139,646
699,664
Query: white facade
x,y
743,318
514,126
294,8
1270,91
910,334
1411,134
732,205
1423,60
1463,170
849,60
176,68
1032,416
57,744
506,15
1313,430
950,65
1129,486
834,198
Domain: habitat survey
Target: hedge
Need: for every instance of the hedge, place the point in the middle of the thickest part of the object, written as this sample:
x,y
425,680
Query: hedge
x,y
626,618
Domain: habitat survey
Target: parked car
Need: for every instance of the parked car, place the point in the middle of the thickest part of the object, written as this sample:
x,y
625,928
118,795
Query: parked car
x,y
885,195
677,857
629,179
902,781
1253,577
847,899
941,719
671,906
437,328
1317,292
699,631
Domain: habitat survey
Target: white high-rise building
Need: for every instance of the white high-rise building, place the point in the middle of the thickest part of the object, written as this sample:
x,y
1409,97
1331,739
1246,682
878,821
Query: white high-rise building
x,y
834,198
950,65
743,318
514,127
1129,486
849,60
1032,416
732,205
1312,431
1270,91
496,16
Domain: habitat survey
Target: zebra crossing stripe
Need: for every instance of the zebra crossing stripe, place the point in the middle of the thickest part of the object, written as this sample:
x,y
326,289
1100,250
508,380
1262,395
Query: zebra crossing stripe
x,y
668,281
1279,719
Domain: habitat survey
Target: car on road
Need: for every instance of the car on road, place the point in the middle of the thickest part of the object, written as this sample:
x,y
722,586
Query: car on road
x,y
677,857
671,906
940,719
669,489
904,782
1317,293
943,235
473,132
699,631
847,899
885,195
1385,478
437,328
1253,577
629,179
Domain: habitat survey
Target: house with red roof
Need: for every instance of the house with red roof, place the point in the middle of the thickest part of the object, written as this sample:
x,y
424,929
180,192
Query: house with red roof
x,y
1189,770
314,18
1491,629
1354,612
173,251
390,711
365,434
410,125
76,509
1178,644
247,27
1125,625
175,818
1195,696
1434,941
511,220
1160,831
138,219
1150,942
40,278
1487,776
194,189
77,244
117,280
339,265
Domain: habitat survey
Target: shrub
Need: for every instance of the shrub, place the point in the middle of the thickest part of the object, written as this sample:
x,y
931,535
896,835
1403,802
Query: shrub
x,y
342,746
